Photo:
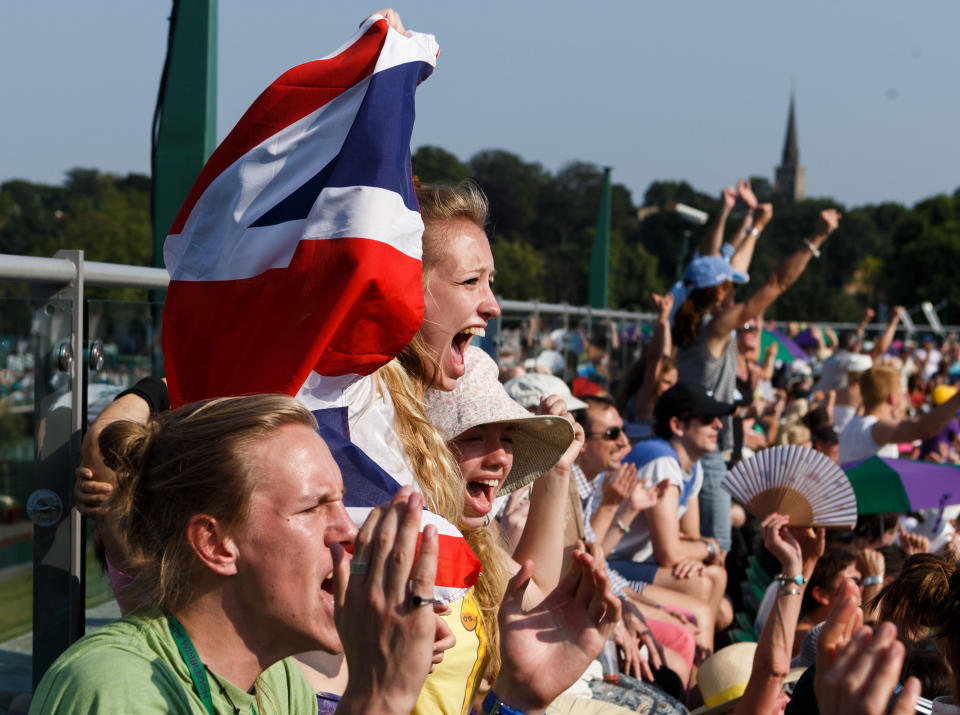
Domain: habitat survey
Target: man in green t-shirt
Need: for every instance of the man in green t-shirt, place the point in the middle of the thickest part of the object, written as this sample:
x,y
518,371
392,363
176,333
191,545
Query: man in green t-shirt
x,y
234,508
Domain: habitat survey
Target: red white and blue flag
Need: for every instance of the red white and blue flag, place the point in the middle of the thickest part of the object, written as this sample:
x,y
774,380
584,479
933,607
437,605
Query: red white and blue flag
x,y
297,252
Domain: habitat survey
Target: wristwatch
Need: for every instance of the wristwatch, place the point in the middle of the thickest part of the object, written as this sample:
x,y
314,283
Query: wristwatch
x,y
711,549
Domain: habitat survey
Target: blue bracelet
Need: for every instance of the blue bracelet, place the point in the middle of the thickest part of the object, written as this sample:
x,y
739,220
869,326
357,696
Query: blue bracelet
x,y
492,705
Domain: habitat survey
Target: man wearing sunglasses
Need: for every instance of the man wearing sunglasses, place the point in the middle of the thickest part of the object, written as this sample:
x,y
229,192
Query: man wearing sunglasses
x,y
662,545
606,442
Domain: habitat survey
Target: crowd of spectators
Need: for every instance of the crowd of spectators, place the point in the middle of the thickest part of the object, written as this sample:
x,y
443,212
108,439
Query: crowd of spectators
x,y
610,571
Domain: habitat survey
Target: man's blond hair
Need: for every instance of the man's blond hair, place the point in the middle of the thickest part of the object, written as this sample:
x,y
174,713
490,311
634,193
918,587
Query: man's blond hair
x,y
877,384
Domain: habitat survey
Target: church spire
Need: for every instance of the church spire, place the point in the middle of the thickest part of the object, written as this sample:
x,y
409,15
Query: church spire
x,y
791,154
790,179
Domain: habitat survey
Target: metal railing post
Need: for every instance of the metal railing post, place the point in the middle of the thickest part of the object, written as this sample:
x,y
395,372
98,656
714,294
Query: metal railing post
x,y
58,578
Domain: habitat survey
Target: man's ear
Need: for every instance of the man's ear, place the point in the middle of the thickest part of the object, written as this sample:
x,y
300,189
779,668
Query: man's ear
x,y
213,546
821,596
677,426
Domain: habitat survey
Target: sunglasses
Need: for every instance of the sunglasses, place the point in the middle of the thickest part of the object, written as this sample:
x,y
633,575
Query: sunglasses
x,y
610,433
749,327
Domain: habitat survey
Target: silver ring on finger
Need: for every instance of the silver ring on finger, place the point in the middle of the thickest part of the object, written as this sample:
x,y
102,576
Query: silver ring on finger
x,y
417,601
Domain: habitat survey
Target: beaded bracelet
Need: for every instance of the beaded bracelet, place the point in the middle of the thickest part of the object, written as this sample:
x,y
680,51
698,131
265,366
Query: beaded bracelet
x,y
784,580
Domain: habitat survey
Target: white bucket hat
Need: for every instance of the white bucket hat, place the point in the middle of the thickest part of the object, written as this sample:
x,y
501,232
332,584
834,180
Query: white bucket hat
x,y
528,389
479,399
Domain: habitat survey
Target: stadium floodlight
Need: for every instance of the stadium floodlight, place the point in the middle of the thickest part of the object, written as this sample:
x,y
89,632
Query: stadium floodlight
x,y
931,315
688,213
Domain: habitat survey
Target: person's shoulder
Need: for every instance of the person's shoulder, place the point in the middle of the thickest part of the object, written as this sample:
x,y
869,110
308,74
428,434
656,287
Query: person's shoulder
x,y
285,677
648,450
118,667
662,468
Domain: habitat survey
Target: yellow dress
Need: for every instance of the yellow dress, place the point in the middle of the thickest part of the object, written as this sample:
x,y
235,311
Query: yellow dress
x,y
450,688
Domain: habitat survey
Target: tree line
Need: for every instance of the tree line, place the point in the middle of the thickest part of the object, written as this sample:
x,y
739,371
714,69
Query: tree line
x,y
542,228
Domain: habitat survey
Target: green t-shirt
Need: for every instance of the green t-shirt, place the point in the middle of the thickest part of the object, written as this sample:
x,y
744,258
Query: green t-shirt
x,y
133,665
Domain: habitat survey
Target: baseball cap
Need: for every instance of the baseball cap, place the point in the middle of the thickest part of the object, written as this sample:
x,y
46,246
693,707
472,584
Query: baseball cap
x,y
708,271
686,398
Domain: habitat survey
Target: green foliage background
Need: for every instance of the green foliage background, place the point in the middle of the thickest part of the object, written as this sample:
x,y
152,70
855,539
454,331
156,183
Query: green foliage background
x,y
541,231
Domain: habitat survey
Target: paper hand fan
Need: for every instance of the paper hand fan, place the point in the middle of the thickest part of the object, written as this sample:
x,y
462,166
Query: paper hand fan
x,y
797,481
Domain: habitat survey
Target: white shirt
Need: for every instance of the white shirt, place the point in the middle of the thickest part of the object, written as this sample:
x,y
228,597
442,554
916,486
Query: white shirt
x,y
636,544
842,414
856,441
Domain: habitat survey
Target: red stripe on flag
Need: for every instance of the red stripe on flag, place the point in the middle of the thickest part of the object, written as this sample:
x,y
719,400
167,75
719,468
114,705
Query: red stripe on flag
x,y
323,312
292,96
457,566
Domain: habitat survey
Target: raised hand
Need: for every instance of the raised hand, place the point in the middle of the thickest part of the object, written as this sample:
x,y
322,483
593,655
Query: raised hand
x,y
663,304
762,215
812,544
643,497
844,620
378,615
912,544
618,485
554,405
745,191
864,674
728,197
870,563
393,18
545,649
828,221
781,543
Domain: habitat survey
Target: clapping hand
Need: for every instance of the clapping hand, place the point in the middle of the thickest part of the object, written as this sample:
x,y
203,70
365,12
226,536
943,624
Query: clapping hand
x,y
388,636
857,669
545,649
618,485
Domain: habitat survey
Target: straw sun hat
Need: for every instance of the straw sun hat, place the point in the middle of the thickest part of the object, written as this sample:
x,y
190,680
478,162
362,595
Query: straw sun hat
x,y
479,399
723,678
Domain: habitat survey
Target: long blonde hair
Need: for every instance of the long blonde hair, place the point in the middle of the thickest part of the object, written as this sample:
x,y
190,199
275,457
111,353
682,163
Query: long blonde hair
x,y
438,476
406,379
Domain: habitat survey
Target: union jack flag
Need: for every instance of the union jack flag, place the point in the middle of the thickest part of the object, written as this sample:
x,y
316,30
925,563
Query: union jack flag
x,y
296,256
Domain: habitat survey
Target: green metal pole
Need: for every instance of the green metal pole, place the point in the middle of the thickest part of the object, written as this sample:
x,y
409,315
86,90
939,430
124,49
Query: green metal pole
x,y
600,259
184,124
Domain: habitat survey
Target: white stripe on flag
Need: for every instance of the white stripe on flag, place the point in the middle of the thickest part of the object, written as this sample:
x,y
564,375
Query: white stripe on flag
x,y
366,212
269,173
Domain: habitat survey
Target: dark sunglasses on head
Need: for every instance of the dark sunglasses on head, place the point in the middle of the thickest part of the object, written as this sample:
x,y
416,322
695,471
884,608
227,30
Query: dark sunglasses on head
x,y
749,327
610,433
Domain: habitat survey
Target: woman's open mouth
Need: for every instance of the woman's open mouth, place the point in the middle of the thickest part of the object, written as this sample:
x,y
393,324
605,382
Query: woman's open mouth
x,y
480,495
458,347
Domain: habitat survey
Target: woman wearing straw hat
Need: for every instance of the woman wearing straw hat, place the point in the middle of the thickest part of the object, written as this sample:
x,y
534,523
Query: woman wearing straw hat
x,y
500,447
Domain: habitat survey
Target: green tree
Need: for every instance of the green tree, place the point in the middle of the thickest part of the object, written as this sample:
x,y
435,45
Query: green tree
x,y
433,165
520,269
512,186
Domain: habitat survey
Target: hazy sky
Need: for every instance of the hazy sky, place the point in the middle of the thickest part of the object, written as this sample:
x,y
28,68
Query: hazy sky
x,y
657,90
